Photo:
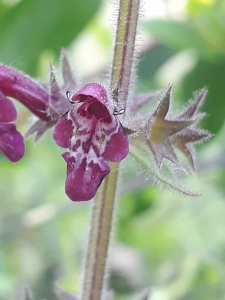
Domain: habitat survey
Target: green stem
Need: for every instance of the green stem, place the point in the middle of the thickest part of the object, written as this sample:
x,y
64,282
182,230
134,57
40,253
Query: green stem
x,y
102,214
101,225
124,49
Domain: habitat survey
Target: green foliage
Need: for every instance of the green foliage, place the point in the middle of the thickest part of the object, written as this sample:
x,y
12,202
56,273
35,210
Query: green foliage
x,y
32,26
180,35
202,32
211,75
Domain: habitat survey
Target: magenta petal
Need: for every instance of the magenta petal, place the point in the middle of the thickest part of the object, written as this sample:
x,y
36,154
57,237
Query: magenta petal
x,y
8,111
11,142
94,90
22,88
63,132
83,179
117,148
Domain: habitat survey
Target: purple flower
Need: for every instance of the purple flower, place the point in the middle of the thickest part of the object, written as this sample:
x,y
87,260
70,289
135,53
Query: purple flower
x,y
27,91
11,141
47,102
88,125
93,135
24,89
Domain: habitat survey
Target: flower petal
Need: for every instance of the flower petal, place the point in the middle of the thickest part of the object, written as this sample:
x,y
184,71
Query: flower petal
x,y
11,142
83,179
93,134
8,111
94,90
117,148
24,89
63,132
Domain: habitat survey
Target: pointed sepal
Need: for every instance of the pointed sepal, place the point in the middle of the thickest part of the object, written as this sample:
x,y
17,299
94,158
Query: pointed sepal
x,y
58,105
183,140
159,130
68,74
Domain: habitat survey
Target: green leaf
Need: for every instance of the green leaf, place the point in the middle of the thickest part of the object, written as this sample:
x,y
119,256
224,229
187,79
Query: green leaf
x,y
33,26
3,8
152,60
211,75
180,35
149,63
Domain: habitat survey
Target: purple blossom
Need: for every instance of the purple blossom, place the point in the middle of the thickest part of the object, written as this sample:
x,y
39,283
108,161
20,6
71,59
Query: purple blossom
x,y
93,135
88,125
11,141
24,89
27,91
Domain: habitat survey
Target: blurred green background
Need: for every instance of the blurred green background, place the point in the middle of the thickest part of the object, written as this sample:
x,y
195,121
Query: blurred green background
x,y
163,240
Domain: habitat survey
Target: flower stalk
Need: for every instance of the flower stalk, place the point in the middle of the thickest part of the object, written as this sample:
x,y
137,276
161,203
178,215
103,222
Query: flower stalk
x,y
101,225
124,49
102,213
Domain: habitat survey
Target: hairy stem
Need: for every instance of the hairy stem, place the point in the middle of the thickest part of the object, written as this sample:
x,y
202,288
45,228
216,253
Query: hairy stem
x,y
102,214
124,49
101,225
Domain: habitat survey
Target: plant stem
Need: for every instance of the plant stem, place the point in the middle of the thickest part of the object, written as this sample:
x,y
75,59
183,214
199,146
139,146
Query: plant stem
x,y
102,214
101,225
124,49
